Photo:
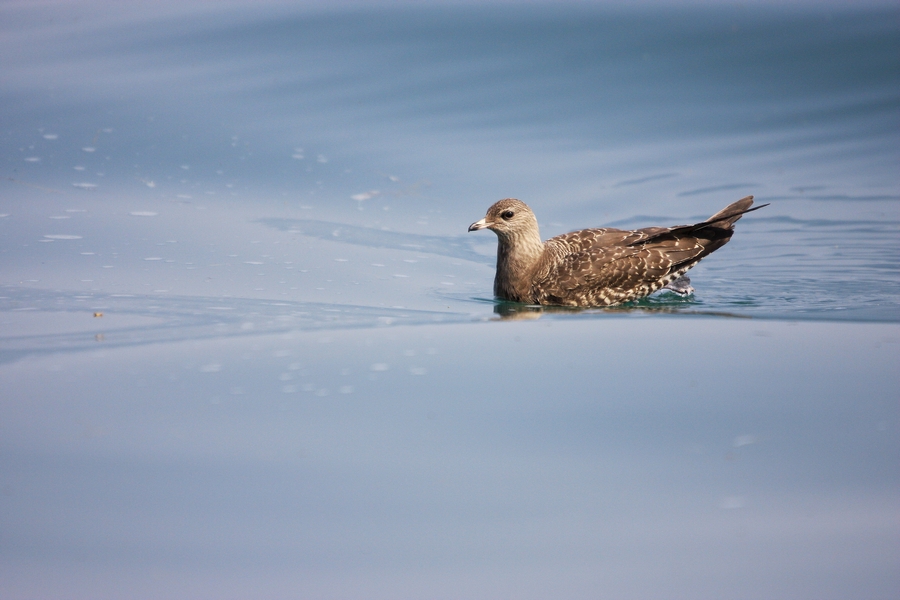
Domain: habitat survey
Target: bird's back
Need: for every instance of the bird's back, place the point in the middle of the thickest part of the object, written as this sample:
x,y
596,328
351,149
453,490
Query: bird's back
x,y
593,267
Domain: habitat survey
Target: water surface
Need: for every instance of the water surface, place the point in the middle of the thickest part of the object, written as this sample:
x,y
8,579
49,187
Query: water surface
x,y
248,348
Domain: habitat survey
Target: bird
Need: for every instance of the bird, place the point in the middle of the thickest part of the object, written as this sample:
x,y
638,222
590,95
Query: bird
x,y
599,267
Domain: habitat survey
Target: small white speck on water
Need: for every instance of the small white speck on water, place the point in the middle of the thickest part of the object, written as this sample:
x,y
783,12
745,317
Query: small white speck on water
x,y
33,159
365,195
153,258
211,368
346,389
84,185
744,440
418,371
89,149
143,213
61,236
379,367
50,136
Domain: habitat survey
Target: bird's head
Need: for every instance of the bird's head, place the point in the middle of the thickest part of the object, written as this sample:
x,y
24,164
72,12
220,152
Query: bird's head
x,y
509,218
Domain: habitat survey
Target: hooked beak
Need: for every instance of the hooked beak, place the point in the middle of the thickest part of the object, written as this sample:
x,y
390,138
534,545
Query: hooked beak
x,y
482,224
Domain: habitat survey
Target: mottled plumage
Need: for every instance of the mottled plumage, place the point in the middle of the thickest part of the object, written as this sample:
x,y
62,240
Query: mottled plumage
x,y
598,267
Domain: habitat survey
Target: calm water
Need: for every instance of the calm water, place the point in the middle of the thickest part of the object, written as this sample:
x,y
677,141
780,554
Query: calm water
x,y
248,349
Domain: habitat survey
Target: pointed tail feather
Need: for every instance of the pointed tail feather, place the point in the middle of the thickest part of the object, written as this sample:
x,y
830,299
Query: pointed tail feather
x,y
720,225
729,215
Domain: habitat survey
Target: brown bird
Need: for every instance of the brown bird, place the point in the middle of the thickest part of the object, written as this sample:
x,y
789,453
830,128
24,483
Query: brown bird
x,y
599,267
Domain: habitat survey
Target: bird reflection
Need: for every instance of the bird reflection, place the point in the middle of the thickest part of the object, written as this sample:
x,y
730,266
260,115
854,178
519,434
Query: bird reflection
x,y
663,304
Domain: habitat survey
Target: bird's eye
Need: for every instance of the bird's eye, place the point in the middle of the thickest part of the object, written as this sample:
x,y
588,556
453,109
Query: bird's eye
x,y
506,215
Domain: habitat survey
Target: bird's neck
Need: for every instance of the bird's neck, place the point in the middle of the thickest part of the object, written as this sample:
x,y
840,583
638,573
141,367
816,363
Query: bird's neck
x,y
517,257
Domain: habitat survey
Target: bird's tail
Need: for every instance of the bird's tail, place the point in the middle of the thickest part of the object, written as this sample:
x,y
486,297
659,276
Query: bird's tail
x,y
720,226
728,216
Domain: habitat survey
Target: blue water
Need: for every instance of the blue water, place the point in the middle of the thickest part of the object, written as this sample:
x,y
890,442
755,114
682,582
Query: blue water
x,y
247,347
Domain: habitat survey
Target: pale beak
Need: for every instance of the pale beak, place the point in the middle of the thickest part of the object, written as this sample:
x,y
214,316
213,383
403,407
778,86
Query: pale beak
x,y
482,224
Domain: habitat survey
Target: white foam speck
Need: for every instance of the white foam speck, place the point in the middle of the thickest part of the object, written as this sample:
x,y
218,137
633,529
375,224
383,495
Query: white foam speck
x,y
61,236
3,215
418,371
59,217
33,159
78,168
143,213
211,368
365,195
89,149
744,440
153,258
85,186
322,158
346,389
50,136
378,367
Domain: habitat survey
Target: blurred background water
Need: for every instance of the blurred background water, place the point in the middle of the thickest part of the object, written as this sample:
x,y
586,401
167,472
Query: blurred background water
x,y
248,348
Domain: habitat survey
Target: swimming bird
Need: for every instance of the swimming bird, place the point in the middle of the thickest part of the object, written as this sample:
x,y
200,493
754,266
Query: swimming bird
x,y
599,267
